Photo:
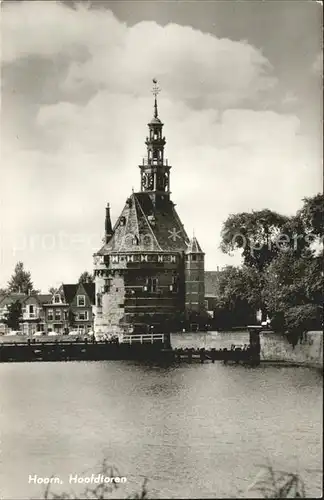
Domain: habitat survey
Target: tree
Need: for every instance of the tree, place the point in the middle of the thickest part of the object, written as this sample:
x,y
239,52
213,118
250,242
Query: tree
x,y
312,215
86,277
20,281
298,320
255,234
291,281
240,297
266,237
13,315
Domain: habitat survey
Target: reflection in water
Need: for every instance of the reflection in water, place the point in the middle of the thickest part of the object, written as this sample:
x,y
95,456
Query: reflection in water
x,y
193,430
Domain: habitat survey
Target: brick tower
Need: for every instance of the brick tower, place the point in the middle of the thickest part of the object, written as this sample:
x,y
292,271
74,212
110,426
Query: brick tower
x,y
141,272
194,278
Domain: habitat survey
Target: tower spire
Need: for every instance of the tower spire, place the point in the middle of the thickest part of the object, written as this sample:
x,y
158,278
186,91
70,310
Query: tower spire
x,y
108,226
156,90
155,171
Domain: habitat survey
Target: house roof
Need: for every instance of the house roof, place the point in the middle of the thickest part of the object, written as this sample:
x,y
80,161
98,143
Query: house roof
x,y
6,300
42,298
90,288
70,291
145,226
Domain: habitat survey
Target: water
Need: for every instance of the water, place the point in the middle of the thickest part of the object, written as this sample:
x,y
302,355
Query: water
x,y
193,430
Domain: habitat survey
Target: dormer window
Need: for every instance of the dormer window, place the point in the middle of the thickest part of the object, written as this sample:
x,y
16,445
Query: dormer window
x,y
57,299
81,300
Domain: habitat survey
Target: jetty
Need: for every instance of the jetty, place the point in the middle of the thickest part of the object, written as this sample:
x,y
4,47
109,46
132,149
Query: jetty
x,y
155,347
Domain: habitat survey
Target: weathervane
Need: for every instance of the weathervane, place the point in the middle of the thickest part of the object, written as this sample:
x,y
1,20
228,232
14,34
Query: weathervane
x,y
156,90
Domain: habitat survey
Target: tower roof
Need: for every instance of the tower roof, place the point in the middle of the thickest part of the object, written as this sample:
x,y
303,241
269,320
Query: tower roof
x,y
144,226
155,121
194,246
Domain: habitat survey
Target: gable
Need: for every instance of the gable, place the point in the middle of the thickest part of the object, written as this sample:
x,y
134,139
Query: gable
x,y
69,292
80,290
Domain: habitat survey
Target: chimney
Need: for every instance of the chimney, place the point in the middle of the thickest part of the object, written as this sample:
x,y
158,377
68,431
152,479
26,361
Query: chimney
x,y
108,228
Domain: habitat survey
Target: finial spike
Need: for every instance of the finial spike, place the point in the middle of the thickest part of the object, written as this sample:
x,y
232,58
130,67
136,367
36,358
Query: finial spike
x,y
156,90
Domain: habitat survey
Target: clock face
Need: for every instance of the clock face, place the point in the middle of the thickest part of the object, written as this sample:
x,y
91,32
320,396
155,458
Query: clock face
x,y
148,182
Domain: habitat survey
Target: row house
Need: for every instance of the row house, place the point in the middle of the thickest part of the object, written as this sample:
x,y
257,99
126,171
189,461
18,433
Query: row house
x,y
70,308
5,302
33,317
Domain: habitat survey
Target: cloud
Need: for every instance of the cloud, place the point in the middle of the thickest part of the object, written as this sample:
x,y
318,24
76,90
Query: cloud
x,y
192,65
77,150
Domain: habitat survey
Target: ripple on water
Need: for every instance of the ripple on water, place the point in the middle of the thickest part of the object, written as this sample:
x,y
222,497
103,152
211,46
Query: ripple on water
x,y
193,430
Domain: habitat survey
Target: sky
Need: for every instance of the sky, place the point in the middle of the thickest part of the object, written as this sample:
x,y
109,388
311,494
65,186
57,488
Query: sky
x,y
241,103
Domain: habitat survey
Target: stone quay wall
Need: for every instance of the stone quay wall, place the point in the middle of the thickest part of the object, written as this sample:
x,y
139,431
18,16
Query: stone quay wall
x,y
277,348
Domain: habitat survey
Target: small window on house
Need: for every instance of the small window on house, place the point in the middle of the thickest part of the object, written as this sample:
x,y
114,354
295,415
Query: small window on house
x,y
50,314
83,316
57,299
31,309
154,285
122,221
174,283
194,257
57,314
81,300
